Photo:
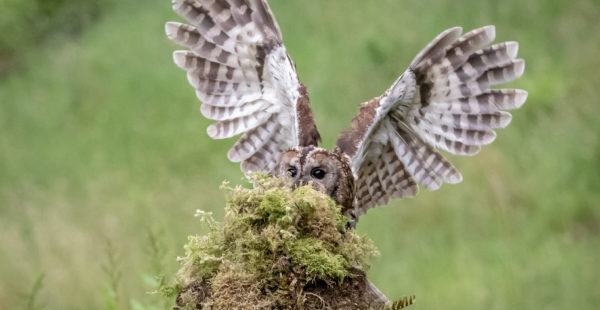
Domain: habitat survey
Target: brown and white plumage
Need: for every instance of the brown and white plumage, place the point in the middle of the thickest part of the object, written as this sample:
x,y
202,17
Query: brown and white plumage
x,y
247,82
442,101
245,78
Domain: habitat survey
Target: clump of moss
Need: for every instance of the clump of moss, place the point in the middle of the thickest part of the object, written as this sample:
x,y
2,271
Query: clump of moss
x,y
276,248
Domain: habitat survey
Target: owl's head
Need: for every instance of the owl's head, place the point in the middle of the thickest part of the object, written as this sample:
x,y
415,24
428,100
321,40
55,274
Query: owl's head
x,y
328,171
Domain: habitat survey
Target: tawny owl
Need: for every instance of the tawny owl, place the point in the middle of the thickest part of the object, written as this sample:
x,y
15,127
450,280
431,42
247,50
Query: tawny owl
x,y
247,82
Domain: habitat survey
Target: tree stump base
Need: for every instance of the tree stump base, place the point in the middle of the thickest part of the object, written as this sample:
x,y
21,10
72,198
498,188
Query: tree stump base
x,y
353,293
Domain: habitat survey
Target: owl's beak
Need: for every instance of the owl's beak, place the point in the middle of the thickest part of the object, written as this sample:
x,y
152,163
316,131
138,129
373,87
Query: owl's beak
x,y
299,182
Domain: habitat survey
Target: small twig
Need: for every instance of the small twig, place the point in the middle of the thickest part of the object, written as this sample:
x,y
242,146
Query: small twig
x,y
323,302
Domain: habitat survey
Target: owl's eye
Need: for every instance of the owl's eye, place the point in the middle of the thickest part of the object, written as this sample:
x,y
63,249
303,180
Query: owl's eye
x,y
318,173
292,171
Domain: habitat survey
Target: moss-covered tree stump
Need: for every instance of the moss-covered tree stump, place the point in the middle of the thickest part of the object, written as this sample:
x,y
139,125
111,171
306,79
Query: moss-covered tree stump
x,y
277,249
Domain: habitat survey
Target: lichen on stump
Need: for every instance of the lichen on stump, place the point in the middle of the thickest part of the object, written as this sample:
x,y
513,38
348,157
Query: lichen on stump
x,y
276,249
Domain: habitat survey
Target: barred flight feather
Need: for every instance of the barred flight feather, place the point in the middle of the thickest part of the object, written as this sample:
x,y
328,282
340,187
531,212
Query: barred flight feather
x,y
225,100
504,99
470,42
434,50
203,68
486,103
190,37
457,54
220,113
266,157
466,136
252,141
233,127
468,121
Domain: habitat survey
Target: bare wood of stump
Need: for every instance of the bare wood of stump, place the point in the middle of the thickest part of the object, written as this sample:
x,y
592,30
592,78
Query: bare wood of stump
x,y
376,296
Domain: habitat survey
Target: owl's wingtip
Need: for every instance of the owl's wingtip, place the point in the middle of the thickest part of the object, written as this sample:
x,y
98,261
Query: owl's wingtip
x,y
171,29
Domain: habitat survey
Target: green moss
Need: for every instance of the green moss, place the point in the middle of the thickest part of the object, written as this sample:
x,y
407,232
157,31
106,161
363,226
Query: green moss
x,y
273,244
317,260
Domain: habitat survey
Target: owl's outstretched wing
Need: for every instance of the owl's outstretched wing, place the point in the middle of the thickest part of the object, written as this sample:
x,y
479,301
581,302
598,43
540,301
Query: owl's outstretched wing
x,y
442,101
245,78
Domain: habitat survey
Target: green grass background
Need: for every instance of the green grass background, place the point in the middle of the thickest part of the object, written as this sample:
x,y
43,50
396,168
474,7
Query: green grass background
x,y
104,155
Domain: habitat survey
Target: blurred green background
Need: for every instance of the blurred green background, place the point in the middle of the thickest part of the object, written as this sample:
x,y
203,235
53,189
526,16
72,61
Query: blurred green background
x,y
104,156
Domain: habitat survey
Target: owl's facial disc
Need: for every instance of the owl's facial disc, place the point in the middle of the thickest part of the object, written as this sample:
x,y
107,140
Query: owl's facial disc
x,y
325,170
310,165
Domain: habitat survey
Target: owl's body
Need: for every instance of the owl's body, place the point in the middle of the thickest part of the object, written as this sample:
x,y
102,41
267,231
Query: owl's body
x,y
242,73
